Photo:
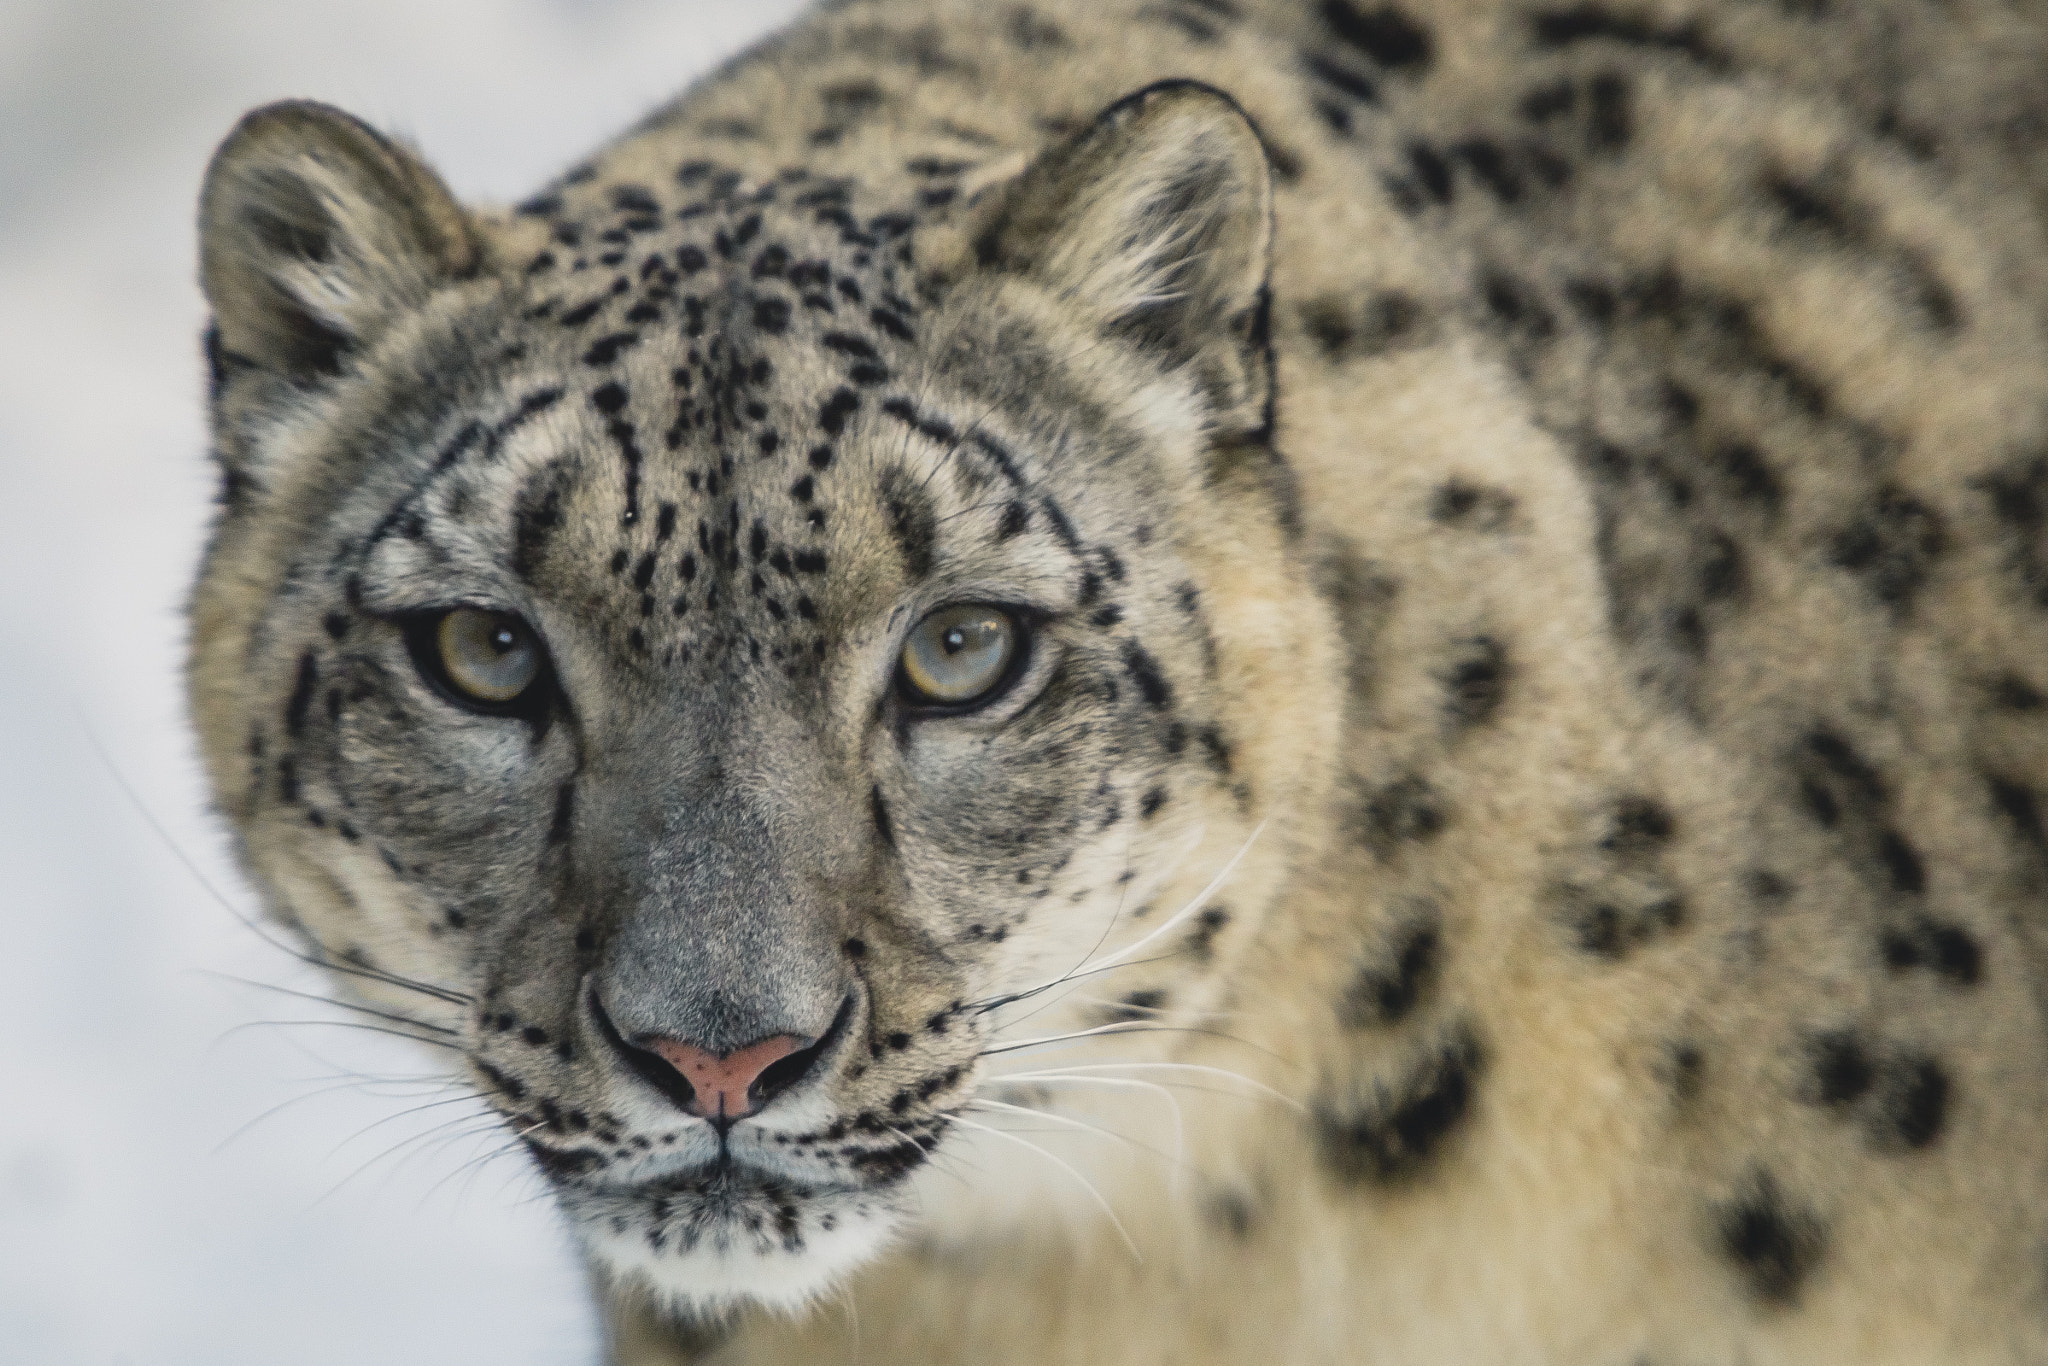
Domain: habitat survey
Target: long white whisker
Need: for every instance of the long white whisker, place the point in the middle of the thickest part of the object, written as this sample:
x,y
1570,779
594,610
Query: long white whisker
x,y
1086,1185
321,960
336,1024
1223,1072
1180,1146
1194,904
392,1016
1069,1121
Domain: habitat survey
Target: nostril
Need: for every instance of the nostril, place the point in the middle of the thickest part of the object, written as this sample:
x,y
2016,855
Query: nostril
x,y
725,1084
720,1087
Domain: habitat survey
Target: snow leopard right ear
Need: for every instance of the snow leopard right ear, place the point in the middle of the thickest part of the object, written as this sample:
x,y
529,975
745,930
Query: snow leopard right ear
x,y
1156,224
315,233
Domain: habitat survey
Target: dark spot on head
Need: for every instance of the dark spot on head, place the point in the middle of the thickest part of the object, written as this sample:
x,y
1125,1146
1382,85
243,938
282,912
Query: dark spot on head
x,y
1158,694
1383,33
878,810
1891,546
912,523
302,695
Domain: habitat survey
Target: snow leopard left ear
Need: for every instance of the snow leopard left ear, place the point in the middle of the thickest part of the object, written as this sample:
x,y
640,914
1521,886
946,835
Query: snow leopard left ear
x,y
1157,224
316,233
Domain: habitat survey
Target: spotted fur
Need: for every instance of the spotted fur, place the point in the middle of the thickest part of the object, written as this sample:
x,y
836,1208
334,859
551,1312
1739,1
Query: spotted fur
x,y
1521,833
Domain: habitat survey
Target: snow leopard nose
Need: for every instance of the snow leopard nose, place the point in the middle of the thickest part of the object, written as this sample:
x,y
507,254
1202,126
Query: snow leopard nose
x,y
723,1087
726,1086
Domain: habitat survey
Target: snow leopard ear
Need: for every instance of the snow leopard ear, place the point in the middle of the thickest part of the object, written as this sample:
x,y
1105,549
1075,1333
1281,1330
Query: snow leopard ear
x,y
315,232
1157,223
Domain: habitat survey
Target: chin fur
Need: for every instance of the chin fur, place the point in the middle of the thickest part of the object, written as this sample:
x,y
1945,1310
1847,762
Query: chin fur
x,y
727,1242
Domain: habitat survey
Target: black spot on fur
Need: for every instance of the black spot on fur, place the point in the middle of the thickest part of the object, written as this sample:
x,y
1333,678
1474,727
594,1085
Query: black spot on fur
x,y
1386,990
1393,1133
1596,23
1609,122
1233,1212
1457,503
302,694
565,814
832,417
1476,681
606,349
1773,1243
1152,685
1842,1072
1891,545
1356,85
885,829
2018,803
1406,810
1685,1069
912,523
1638,825
1911,1106
1949,951
1135,1005
1384,34
2019,500
2010,692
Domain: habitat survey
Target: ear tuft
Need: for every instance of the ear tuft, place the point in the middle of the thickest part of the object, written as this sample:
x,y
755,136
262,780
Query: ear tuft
x,y
315,232
1157,223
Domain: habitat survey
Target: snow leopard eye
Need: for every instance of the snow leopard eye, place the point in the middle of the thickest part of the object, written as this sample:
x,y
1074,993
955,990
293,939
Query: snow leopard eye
x,y
960,655
489,660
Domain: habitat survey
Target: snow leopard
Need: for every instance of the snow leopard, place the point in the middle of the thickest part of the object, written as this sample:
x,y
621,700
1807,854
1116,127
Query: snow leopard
x,y
1198,681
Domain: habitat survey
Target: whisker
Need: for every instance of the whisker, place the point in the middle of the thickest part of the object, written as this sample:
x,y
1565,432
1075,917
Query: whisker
x,y
1224,1072
1071,1122
281,1106
1086,1185
392,1016
497,1152
1194,903
321,960
1062,1079
336,1024
401,1114
409,1141
1119,1027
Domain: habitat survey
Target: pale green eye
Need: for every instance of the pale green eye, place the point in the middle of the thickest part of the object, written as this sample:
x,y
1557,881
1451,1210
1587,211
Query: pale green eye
x,y
491,656
958,653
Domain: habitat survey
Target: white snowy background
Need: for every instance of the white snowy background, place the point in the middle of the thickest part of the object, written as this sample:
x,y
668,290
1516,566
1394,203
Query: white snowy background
x,y
178,1183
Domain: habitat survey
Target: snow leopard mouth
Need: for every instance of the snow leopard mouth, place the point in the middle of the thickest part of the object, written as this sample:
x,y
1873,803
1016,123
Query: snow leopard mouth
x,y
730,1230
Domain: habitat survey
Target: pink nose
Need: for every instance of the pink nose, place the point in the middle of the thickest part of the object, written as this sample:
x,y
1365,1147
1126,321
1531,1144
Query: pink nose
x,y
723,1084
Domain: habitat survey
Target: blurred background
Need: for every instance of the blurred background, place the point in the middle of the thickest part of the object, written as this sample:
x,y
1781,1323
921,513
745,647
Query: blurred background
x,y
194,1168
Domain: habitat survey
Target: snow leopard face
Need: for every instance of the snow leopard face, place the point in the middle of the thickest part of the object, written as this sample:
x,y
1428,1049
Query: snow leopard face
x,y
704,667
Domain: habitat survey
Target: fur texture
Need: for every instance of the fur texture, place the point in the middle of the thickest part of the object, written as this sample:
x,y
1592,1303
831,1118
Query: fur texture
x,y
1518,832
